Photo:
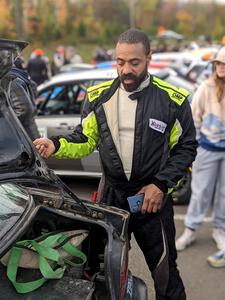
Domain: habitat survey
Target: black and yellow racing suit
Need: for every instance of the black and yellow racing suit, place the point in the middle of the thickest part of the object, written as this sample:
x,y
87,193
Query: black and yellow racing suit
x,y
164,148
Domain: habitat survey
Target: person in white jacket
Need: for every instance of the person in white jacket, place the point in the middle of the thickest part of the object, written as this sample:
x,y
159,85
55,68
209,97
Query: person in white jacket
x,y
208,175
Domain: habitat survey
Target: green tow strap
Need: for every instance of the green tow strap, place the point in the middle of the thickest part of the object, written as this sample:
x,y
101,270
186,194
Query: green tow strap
x,y
48,250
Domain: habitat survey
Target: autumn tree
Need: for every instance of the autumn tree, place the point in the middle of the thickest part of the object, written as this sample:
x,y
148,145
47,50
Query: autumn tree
x,y
102,20
7,19
146,11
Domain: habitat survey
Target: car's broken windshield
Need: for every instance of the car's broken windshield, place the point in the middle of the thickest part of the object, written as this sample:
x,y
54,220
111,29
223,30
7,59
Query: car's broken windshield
x,y
13,202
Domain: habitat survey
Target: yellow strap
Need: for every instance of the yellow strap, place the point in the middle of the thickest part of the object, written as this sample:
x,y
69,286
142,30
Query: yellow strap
x,y
178,95
96,90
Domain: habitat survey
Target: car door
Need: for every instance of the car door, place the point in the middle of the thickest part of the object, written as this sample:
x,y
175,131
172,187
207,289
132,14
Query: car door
x,y
59,109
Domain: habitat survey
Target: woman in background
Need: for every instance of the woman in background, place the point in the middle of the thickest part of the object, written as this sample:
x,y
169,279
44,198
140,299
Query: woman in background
x,y
208,176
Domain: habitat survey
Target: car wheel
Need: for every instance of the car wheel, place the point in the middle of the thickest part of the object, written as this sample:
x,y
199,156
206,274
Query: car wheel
x,y
182,192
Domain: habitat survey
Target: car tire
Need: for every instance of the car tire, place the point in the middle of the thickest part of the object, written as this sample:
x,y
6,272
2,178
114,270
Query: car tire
x,y
182,193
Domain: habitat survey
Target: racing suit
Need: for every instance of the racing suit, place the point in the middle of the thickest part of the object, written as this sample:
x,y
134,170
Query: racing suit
x,y
164,148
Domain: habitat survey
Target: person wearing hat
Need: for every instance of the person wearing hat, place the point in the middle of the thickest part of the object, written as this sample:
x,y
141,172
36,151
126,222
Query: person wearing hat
x,y
208,173
37,67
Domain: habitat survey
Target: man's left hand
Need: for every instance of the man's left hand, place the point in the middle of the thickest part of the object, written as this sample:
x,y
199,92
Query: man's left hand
x,y
153,198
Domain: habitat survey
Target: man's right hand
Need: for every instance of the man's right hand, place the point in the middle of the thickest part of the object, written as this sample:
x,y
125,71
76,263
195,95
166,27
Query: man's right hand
x,y
44,146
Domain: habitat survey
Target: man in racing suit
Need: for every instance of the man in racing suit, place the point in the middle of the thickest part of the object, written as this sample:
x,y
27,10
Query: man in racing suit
x,y
144,132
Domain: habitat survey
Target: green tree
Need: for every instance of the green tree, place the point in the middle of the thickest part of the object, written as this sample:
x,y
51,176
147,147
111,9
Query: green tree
x,y
71,17
82,29
218,28
146,11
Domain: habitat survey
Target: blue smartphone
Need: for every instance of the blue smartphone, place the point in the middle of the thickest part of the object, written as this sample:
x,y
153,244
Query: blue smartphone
x,y
135,202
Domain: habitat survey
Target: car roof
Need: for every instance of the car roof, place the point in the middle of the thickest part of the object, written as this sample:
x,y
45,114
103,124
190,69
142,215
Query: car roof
x,y
76,67
166,74
80,75
96,74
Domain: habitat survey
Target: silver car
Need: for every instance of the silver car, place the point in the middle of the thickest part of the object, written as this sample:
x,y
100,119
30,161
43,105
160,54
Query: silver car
x,y
59,106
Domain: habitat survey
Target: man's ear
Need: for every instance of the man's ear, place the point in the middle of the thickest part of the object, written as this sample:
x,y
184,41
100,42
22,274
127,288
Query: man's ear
x,y
149,56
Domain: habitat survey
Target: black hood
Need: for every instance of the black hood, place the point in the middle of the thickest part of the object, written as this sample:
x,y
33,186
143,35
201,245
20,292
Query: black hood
x,y
22,74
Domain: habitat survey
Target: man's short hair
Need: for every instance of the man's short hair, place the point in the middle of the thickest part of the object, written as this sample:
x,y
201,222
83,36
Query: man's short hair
x,y
135,36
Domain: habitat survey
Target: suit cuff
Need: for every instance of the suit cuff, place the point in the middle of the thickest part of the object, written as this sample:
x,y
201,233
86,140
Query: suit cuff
x,y
56,143
161,185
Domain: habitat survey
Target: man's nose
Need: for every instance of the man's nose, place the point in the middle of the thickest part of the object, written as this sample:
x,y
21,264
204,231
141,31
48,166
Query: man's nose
x,y
127,69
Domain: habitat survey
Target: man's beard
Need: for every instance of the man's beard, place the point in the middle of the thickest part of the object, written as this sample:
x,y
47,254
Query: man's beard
x,y
137,80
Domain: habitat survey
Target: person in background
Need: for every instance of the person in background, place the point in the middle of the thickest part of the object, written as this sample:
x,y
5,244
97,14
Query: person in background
x,y
217,260
208,175
37,68
58,60
99,55
145,134
72,57
22,92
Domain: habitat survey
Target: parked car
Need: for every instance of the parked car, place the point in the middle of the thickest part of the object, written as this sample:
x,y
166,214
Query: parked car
x,y
197,72
76,67
205,73
34,201
185,57
59,104
112,64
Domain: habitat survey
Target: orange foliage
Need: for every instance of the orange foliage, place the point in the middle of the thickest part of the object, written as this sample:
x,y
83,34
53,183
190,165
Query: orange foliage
x,y
7,24
183,16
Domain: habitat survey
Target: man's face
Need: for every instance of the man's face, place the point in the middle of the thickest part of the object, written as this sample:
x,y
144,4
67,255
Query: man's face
x,y
132,64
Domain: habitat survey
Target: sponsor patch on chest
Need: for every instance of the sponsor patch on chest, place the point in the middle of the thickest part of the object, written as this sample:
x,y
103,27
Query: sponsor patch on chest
x,y
157,125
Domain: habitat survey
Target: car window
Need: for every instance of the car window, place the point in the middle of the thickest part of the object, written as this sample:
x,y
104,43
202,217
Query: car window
x,y
62,99
194,72
58,100
57,92
42,97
